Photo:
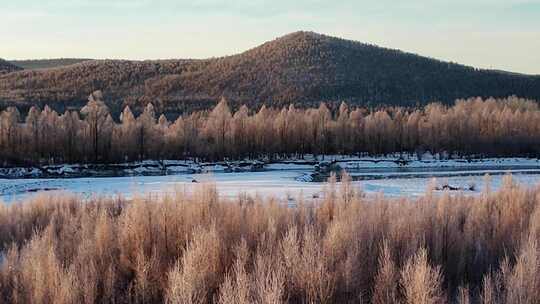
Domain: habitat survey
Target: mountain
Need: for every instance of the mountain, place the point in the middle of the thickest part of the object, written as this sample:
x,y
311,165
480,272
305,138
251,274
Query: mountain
x,y
34,64
7,67
304,68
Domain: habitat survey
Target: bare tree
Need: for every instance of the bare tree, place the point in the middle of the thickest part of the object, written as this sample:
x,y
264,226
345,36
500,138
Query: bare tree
x,y
217,127
95,114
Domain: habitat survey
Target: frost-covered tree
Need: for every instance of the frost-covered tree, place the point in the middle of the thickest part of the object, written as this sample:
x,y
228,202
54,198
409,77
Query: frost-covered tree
x,y
96,114
343,130
217,127
33,130
147,124
125,135
48,125
9,132
161,142
240,132
264,135
71,126
491,127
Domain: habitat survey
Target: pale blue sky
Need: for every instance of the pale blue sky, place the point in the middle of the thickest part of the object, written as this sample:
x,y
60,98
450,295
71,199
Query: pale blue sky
x,y
500,34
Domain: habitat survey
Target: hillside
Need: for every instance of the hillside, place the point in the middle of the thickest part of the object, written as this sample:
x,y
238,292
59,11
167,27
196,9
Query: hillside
x,y
34,64
303,68
7,67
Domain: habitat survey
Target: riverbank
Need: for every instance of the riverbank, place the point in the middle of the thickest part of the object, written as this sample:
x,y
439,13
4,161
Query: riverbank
x,y
325,163
287,181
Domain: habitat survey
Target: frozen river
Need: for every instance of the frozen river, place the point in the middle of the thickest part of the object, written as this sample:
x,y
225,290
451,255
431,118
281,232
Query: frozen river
x,y
282,184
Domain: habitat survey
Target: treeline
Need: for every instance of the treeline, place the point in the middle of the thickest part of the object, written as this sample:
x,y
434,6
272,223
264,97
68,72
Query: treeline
x,y
502,127
343,249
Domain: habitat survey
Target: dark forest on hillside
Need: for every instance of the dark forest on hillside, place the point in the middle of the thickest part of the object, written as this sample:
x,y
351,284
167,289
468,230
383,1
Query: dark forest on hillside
x,y
491,127
302,68
32,64
7,67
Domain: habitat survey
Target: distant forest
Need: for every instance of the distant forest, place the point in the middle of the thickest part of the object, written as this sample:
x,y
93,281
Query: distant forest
x,y
491,127
301,68
33,64
8,67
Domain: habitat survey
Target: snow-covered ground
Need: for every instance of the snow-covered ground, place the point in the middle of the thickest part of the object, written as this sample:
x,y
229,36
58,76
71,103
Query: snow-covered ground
x,y
286,185
309,162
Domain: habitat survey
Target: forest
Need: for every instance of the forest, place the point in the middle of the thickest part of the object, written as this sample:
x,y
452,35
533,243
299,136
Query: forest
x,y
470,128
301,68
33,64
8,67
200,248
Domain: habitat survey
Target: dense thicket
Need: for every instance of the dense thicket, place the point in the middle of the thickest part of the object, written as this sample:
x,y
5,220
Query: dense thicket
x,y
303,68
345,248
506,127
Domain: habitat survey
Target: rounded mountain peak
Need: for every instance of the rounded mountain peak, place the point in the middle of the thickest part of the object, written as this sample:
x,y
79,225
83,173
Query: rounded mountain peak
x,y
301,45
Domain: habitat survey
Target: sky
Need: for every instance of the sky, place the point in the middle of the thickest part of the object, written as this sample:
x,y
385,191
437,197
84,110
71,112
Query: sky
x,y
496,34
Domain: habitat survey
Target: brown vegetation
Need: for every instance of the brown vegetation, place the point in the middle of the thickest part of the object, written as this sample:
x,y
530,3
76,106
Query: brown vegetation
x,y
302,68
505,127
345,248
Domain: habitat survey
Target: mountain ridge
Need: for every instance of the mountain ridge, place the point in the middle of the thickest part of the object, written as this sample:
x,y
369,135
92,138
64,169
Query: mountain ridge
x,y
304,68
46,63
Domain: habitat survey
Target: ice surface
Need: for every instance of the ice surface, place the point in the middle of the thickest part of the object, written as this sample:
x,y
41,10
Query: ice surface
x,y
286,179
285,185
